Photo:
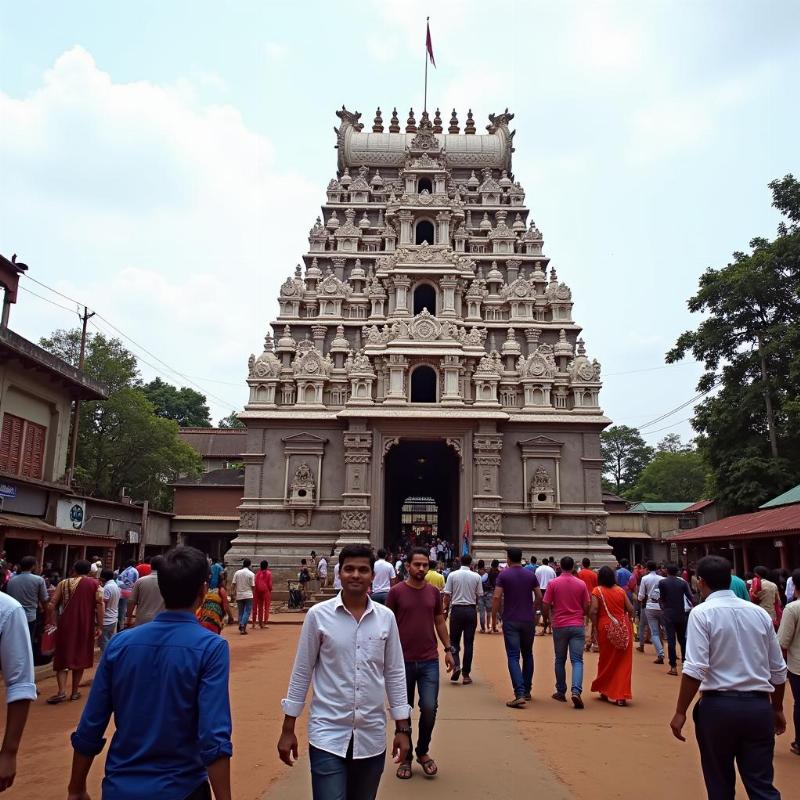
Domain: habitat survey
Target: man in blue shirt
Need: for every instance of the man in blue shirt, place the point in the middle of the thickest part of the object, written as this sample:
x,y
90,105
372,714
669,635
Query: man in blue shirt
x,y
167,685
623,575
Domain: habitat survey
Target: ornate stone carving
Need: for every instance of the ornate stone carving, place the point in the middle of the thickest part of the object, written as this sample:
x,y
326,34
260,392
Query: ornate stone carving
x,y
248,519
354,520
302,489
488,522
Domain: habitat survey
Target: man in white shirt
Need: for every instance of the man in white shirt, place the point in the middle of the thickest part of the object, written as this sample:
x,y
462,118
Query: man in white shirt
x,y
337,581
544,574
322,571
244,581
461,592
16,658
384,579
350,651
111,594
733,658
651,613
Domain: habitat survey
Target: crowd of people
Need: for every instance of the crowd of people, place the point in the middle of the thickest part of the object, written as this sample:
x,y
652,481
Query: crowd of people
x,y
377,640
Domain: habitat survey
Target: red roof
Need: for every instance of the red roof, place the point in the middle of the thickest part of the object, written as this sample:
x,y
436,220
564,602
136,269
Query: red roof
x,y
784,519
699,505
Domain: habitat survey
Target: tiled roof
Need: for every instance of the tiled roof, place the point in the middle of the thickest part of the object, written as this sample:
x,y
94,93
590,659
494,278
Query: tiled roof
x,y
785,519
785,499
216,442
661,508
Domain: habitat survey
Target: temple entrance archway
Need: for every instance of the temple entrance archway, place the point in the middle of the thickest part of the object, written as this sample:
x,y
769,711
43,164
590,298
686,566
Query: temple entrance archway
x,y
421,499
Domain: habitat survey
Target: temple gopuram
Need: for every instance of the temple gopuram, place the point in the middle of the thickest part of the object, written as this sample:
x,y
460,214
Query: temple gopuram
x,y
424,377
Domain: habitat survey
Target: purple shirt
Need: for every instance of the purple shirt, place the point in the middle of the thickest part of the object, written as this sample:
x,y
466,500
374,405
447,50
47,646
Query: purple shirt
x,y
517,584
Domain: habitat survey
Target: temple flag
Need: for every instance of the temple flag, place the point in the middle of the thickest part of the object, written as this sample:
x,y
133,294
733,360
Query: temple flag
x,y
466,537
429,44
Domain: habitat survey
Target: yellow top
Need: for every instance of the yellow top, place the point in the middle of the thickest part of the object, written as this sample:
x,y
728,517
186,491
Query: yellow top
x,y
435,579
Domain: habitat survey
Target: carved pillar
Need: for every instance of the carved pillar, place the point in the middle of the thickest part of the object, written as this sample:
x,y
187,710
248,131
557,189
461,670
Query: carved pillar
x,y
451,396
487,451
355,513
443,218
396,394
405,218
338,266
448,287
401,284
318,332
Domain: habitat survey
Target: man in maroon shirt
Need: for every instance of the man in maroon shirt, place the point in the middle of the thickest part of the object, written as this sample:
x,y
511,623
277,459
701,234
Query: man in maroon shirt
x,y
417,605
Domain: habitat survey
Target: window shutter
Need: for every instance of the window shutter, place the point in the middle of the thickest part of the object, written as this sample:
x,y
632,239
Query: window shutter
x,y
5,441
33,451
11,443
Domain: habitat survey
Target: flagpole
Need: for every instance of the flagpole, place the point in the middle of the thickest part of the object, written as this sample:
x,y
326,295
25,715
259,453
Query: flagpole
x,y
425,103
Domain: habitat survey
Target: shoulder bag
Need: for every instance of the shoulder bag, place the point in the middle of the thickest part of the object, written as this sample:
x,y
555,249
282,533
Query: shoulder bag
x,y
617,632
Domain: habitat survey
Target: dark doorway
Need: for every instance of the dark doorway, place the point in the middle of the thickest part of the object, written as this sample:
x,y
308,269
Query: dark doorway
x,y
424,297
421,494
425,185
424,232
423,385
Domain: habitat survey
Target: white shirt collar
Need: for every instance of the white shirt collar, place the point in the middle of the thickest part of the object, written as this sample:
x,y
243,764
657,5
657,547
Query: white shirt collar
x,y
719,594
340,604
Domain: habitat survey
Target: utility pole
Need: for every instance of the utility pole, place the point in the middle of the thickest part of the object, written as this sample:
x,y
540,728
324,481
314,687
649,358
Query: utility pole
x,y
76,418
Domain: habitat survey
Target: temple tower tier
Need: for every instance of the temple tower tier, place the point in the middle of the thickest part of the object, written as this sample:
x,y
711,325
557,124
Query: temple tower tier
x,y
424,376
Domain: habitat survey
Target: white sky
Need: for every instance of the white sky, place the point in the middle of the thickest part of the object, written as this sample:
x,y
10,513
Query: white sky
x,y
163,162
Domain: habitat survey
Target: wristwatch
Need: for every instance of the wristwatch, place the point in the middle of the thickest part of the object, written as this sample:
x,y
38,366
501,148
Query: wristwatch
x,y
450,649
406,731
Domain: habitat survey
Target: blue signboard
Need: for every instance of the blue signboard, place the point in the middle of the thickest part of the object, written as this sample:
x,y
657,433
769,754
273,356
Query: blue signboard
x,y
8,490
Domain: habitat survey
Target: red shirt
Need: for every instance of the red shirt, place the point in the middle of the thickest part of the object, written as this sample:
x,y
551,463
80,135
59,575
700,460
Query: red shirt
x,y
143,569
415,610
589,577
568,596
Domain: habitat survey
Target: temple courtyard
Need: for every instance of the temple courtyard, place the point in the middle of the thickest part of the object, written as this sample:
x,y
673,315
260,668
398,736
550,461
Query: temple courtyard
x,y
484,750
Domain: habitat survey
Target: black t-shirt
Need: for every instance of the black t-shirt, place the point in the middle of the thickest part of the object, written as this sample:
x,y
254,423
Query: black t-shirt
x,y
673,590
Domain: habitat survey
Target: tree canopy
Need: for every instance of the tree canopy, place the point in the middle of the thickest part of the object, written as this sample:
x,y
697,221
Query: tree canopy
x,y
122,441
231,421
672,476
625,454
186,406
748,342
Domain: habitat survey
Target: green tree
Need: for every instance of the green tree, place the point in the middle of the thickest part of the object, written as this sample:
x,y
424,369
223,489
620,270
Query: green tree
x,y
672,443
186,406
749,342
671,476
625,455
122,443
231,421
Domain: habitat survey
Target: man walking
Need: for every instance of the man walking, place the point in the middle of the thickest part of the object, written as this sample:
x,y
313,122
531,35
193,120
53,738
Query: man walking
x,y
166,683
322,571
350,650
567,604
589,577
544,574
462,589
111,594
733,658
384,578
518,591
651,610
146,600
674,596
30,592
417,606
244,582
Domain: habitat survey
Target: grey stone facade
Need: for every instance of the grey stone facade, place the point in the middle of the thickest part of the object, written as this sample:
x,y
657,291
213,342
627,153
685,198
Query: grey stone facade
x,y
426,348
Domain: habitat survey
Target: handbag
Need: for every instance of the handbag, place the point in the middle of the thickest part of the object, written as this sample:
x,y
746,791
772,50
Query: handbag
x,y
617,632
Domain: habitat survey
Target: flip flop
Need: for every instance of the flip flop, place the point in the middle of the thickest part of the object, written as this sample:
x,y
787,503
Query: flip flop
x,y
75,696
56,699
428,767
404,772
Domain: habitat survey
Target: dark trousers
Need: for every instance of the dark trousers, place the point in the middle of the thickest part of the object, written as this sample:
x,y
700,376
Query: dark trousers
x,y
463,620
348,778
202,792
675,625
423,676
518,639
794,682
736,730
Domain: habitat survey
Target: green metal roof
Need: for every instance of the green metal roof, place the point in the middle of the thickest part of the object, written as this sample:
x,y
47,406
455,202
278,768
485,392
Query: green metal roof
x,y
661,508
785,499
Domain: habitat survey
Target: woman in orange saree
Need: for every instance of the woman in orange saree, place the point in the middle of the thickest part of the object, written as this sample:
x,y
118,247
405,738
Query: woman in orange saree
x,y
611,607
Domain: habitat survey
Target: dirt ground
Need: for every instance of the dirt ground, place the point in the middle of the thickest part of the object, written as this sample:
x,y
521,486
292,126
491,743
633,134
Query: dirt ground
x,y
484,750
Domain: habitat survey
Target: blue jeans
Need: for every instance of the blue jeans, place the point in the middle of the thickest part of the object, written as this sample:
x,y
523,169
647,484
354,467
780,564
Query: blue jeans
x,y
424,677
485,608
245,607
569,638
105,636
518,639
654,617
348,778
122,610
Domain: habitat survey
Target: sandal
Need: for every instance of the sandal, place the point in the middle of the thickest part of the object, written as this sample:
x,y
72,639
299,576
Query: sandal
x,y
75,696
428,767
621,703
404,771
56,699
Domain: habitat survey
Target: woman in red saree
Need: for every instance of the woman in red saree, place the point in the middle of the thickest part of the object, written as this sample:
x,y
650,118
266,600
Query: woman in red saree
x,y
80,622
262,596
615,666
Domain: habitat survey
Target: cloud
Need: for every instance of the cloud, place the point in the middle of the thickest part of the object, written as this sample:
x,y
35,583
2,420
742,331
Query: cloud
x,y
170,217
276,51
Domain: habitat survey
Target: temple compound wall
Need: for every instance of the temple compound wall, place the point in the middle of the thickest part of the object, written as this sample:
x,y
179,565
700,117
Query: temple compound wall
x,y
424,375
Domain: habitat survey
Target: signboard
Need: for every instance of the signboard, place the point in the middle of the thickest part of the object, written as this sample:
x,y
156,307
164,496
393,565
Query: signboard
x,y
8,490
71,513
